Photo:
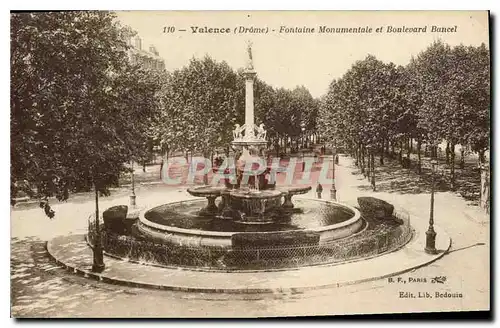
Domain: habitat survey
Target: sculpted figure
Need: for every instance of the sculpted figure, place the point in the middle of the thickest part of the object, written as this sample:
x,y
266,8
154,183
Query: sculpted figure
x,y
236,132
250,58
261,132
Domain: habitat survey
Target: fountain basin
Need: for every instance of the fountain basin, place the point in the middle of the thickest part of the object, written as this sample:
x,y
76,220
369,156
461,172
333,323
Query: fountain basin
x,y
206,191
216,232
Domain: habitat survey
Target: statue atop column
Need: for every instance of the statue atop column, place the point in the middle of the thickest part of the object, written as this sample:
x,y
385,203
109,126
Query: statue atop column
x,y
250,58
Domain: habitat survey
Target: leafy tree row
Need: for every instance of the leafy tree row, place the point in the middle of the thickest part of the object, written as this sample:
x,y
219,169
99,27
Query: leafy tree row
x,y
443,94
79,109
205,99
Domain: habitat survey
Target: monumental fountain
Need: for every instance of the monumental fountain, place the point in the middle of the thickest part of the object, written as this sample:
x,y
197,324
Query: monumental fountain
x,y
250,221
253,198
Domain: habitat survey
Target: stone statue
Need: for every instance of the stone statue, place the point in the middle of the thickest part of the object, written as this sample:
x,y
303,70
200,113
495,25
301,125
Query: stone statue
x,y
237,132
261,132
250,58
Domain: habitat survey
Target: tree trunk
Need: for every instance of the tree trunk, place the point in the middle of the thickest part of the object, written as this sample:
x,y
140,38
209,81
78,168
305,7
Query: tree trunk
x,y
484,200
373,172
447,153
369,165
144,166
452,172
358,156
401,152
408,148
481,158
419,152
382,153
362,160
462,158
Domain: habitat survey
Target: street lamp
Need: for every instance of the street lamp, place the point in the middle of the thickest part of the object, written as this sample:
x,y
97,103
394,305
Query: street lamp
x,y
333,191
98,252
430,234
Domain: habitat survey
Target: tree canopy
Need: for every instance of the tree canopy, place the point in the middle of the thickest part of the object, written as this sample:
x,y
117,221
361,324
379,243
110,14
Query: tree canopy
x,y
77,105
442,94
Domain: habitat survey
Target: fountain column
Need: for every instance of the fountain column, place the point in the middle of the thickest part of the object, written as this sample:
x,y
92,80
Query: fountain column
x,y
249,75
249,138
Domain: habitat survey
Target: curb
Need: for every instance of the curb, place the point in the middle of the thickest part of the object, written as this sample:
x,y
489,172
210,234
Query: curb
x,y
118,281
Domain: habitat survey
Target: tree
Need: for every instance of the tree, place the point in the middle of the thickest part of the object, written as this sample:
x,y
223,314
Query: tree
x,y
73,115
144,92
409,101
201,106
442,94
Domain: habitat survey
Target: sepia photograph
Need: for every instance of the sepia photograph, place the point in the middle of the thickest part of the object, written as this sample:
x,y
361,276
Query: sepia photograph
x,y
249,164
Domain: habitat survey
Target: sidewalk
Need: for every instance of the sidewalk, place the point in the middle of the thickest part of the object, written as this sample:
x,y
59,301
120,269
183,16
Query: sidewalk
x,y
466,266
74,253
465,223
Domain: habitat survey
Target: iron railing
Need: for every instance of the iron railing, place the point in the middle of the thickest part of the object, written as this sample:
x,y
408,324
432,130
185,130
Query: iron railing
x,y
376,240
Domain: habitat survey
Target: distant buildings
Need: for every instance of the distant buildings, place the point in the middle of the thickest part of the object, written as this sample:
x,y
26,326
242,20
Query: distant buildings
x,y
148,58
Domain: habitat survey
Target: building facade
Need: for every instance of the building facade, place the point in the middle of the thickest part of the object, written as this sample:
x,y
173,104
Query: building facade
x,y
148,58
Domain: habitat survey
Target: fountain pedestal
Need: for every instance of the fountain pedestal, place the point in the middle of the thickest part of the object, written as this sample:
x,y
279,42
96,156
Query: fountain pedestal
x,y
287,204
255,207
210,193
289,192
225,209
211,209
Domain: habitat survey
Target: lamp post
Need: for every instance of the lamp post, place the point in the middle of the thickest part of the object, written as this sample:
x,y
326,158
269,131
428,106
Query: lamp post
x,y
430,234
132,188
98,252
333,191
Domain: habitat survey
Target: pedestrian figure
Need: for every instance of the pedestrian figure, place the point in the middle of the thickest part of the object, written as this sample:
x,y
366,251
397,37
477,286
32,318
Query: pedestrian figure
x,y
319,190
161,168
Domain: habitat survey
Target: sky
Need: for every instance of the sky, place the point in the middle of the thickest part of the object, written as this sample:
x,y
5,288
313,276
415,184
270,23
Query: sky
x,y
309,59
